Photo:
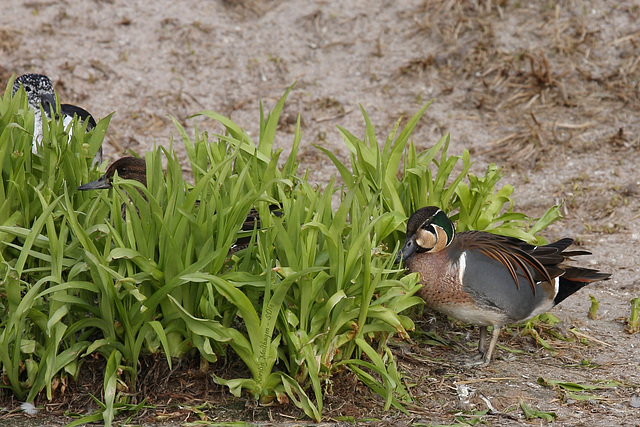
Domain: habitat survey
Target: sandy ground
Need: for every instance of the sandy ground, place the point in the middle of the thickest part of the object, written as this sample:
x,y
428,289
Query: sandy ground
x,y
548,89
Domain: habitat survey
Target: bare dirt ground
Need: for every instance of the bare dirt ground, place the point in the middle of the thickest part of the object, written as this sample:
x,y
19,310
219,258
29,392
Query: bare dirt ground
x,y
549,89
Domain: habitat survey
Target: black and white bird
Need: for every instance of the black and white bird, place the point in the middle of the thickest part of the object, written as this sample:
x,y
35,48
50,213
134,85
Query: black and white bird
x,y
39,90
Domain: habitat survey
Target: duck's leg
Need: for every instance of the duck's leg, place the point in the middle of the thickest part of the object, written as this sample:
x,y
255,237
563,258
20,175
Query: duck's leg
x,y
492,345
483,358
482,343
478,358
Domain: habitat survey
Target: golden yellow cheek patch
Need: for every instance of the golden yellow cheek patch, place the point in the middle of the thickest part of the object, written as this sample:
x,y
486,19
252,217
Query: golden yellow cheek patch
x,y
432,242
426,239
442,241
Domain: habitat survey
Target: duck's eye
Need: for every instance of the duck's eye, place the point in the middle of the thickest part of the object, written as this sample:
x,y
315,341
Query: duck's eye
x,y
27,89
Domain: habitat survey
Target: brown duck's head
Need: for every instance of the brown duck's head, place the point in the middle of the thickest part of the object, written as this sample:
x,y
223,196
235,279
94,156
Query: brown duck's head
x,y
127,168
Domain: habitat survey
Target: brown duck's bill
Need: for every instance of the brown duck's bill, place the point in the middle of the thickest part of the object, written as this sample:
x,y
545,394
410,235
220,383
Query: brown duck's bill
x,y
98,184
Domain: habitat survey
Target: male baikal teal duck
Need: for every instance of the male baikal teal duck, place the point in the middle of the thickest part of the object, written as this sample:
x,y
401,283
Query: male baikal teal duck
x,y
486,279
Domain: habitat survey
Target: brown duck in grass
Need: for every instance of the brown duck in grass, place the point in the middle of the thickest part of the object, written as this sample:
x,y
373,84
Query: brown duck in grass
x,y
127,168
135,168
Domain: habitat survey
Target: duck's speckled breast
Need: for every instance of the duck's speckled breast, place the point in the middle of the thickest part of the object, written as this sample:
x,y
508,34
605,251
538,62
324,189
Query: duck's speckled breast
x,y
440,279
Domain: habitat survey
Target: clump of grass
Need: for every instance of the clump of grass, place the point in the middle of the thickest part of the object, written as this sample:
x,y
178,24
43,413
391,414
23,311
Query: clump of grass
x,y
35,344
632,321
315,292
578,391
593,309
428,178
532,414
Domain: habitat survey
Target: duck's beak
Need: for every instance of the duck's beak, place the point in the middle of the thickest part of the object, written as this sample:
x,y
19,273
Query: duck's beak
x,y
409,248
98,184
48,102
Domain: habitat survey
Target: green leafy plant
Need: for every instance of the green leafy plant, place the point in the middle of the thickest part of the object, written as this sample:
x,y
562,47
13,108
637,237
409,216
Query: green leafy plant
x,y
531,413
330,294
593,309
140,270
577,391
38,337
400,179
632,321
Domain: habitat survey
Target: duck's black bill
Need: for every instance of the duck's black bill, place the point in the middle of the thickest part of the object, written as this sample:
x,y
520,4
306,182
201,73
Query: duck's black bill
x,y
99,184
408,249
48,102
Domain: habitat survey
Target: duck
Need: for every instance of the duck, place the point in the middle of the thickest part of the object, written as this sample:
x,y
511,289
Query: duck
x,y
129,167
486,279
39,90
135,168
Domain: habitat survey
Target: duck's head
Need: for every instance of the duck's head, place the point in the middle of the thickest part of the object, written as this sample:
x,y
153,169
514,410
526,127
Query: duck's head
x,y
126,167
39,90
429,229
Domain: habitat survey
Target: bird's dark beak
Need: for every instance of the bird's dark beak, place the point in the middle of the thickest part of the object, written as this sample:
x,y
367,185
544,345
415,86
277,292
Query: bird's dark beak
x,y
409,248
99,184
48,102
